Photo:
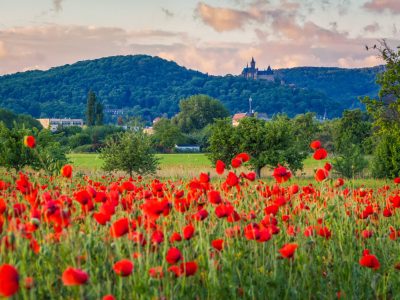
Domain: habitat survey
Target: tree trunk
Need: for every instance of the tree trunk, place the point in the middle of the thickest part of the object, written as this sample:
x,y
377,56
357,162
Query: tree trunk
x,y
258,172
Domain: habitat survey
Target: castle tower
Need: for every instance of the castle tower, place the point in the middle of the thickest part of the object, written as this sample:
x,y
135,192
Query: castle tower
x,y
253,63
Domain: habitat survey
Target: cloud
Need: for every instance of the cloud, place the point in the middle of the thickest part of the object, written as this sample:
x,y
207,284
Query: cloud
x,y
3,51
167,13
382,5
284,43
374,27
57,5
227,19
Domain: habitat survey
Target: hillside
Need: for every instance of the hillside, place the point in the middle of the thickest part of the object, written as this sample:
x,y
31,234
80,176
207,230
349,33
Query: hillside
x,y
343,85
150,86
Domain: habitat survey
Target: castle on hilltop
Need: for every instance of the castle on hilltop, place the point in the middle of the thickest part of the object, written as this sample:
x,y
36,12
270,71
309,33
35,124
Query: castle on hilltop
x,y
253,73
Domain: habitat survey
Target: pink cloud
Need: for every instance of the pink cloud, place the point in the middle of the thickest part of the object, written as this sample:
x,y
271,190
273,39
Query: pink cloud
x,y
226,19
381,5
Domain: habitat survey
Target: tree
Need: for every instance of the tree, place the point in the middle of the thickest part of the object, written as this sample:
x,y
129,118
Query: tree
x,y
99,114
196,112
386,114
166,135
223,141
48,154
305,129
268,143
130,151
91,109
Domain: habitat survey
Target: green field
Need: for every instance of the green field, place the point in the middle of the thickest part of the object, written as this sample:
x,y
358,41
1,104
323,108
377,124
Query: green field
x,y
176,165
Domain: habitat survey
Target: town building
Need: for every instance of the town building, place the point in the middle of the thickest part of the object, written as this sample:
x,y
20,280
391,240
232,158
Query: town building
x,y
55,124
254,73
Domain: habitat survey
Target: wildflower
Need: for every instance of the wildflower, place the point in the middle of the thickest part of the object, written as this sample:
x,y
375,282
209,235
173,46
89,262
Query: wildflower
x,y
123,268
29,141
66,171
320,153
173,255
281,174
9,280
287,251
220,167
315,145
321,174
72,277
369,260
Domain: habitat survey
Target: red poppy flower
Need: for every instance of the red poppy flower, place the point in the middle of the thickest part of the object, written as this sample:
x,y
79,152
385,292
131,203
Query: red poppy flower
x,y
108,297
220,167
29,282
204,178
66,171
156,272
232,179
287,251
396,180
29,141
339,182
83,197
244,157
188,232
9,280
320,153
173,255
175,237
119,227
123,268
218,244
315,145
369,260
321,174
188,268
328,166
73,276
281,174
236,163
213,196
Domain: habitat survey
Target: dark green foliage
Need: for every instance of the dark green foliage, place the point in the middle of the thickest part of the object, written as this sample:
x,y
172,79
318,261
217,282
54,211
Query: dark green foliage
x,y
353,128
386,159
350,162
99,114
268,143
130,151
149,87
223,141
196,112
351,137
386,115
342,85
9,119
91,109
166,135
48,154
306,128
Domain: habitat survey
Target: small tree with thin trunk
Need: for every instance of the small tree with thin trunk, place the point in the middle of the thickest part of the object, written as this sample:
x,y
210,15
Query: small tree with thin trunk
x,y
130,151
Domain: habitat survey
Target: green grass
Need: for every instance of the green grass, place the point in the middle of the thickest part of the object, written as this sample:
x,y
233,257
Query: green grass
x,y
176,165
92,161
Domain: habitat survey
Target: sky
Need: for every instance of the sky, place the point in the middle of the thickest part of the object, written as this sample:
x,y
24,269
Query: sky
x,y
215,37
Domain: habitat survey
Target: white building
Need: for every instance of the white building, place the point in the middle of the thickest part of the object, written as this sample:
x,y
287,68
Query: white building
x,y
54,124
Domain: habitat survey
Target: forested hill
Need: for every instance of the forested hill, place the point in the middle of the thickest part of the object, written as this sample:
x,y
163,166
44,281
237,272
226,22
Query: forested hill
x,y
343,85
151,86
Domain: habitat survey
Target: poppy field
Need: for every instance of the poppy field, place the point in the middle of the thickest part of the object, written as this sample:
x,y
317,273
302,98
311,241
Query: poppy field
x,y
228,235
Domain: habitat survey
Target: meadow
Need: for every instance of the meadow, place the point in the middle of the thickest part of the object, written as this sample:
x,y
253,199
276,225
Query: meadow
x,y
174,165
218,236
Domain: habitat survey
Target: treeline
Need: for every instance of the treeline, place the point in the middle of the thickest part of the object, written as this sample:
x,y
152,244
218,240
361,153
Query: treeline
x,y
150,86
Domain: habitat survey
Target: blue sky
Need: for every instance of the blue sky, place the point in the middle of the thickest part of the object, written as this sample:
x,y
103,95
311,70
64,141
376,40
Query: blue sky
x,y
217,37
